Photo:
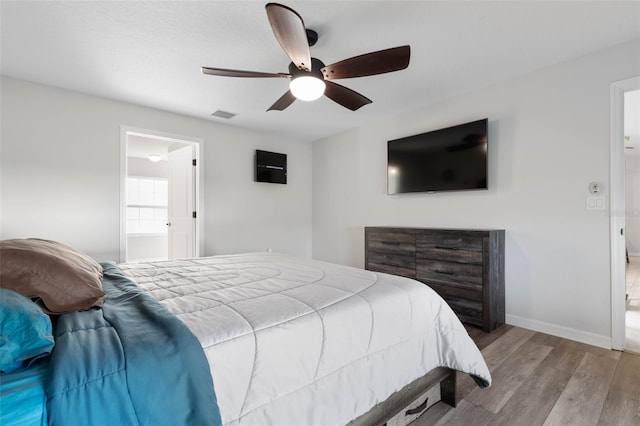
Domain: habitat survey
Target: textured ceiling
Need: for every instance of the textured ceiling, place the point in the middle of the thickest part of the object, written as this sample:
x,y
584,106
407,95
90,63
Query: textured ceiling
x,y
150,52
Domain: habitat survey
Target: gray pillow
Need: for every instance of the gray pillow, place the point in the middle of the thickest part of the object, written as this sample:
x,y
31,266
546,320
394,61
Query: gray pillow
x,y
60,278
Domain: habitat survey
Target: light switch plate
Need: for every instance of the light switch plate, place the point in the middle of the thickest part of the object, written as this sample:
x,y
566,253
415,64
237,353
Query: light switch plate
x,y
596,203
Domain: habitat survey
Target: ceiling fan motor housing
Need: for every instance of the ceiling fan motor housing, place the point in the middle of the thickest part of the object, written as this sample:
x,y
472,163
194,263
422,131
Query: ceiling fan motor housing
x,y
312,36
316,66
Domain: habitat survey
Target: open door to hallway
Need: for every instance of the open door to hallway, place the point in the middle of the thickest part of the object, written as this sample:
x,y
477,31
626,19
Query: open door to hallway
x,y
620,201
159,197
632,219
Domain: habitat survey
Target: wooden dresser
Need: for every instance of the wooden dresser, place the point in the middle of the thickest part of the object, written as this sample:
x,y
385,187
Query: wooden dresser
x,y
465,266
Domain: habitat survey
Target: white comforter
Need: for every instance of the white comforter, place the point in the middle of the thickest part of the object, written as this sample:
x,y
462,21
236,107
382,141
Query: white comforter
x,y
292,341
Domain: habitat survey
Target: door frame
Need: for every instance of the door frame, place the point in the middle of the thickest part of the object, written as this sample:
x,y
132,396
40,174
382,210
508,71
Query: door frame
x,y
617,210
198,188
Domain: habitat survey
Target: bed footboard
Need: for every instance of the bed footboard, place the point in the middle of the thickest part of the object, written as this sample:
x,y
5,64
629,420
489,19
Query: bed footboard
x,y
413,400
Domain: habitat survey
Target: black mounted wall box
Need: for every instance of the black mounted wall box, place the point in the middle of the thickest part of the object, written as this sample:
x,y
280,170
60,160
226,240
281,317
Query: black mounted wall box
x,y
271,167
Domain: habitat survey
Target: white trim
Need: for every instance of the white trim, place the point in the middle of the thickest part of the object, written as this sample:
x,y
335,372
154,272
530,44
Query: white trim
x,y
123,191
617,209
197,195
560,331
198,146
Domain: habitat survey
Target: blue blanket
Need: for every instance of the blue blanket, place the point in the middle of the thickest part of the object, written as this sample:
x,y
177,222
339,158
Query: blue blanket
x,y
130,363
22,398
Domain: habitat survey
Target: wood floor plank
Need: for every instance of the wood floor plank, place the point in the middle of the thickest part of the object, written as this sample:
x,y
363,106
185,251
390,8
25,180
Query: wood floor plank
x,y
583,398
566,356
534,399
509,376
546,339
625,411
467,414
507,344
482,339
595,350
622,406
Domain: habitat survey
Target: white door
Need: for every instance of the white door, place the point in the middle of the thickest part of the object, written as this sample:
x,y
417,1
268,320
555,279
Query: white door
x,y
181,208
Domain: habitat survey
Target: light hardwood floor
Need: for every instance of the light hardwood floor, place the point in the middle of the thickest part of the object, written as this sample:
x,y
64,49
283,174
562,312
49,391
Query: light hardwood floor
x,y
540,379
632,318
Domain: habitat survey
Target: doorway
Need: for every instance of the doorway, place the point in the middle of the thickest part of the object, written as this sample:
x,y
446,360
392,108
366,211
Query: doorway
x,y
618,210
160,180
632,219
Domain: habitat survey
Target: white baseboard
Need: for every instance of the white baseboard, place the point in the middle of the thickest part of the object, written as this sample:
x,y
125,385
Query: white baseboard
x,y
634,254
560,331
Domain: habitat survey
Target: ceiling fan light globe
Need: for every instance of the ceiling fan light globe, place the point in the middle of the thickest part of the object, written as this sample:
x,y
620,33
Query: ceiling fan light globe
x,y
307,88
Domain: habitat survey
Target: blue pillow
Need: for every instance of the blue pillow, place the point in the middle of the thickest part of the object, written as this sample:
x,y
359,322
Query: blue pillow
x,y
25,331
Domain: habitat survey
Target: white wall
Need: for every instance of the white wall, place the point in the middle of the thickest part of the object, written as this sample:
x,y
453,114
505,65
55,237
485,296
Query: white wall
x,y
548,138
147,247
141,167
60,175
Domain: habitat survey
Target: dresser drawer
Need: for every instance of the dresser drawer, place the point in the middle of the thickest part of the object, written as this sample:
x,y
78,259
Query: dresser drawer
x,y
460,275
407,262
468,311
455,292
392,243
404,266
455,248
469,316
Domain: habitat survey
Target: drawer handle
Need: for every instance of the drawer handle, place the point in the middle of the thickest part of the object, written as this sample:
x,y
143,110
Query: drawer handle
x,y
447,248
437,271
418,409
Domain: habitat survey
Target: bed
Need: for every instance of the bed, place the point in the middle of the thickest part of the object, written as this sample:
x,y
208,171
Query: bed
x,y
285,340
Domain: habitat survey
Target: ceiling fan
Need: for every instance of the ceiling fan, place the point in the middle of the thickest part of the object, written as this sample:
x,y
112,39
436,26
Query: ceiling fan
x,y
310,77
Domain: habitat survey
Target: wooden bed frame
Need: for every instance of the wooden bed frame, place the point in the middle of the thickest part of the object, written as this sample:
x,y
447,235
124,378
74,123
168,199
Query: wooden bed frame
x,y
399,401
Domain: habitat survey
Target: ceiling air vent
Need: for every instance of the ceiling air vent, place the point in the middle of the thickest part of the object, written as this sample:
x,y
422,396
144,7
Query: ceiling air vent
x,y
223,114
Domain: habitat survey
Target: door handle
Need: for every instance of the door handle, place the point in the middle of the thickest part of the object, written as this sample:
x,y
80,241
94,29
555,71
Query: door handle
x,y
168,223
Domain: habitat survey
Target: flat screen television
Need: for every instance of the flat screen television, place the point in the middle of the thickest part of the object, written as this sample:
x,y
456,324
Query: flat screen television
x,y
450,159
271,167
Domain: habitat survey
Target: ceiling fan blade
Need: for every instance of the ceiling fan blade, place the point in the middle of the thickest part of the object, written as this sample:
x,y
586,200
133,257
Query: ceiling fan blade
x,y
289,30
380,62
223,72
344,96
282,103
